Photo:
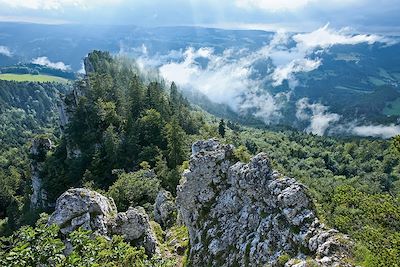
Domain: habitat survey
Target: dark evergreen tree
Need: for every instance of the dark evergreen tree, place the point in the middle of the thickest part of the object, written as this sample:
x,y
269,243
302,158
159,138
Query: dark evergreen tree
x,y
176,143
221,128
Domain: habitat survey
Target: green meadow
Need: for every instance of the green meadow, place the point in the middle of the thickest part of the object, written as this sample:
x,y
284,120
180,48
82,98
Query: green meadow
x,y
31,78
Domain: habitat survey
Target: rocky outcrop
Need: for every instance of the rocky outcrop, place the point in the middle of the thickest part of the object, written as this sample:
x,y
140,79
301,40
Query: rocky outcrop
x,y
90,210
63,115
84,208
135,227
165,209
249,215
39,148
88,66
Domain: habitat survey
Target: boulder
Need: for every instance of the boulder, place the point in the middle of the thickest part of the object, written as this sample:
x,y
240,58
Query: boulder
x,y
80,207
90,210
165,209
135,227
249,215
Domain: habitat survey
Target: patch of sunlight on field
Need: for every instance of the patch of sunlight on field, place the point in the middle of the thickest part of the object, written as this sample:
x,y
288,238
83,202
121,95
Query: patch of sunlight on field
x,y
31,78
392,108
376,81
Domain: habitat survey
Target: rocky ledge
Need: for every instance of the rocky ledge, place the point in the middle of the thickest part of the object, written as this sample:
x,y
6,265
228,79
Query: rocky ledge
x,y
250,215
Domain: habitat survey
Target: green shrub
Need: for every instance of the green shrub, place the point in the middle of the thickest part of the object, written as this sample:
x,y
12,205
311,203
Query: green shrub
x,y
41,246
134,189
282,259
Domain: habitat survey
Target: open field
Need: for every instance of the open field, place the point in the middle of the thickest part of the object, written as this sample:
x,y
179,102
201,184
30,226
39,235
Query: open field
x,y
31,78
392,108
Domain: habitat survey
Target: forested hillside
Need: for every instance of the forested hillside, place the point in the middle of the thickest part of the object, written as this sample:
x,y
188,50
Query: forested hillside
x,y
129,135
26,110
119,123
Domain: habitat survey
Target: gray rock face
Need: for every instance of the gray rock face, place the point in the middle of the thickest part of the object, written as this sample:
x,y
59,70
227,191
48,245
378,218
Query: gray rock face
x,y
90,210
134,226
88,66
249,215
165,209
38,152
40,146
84,208
63,115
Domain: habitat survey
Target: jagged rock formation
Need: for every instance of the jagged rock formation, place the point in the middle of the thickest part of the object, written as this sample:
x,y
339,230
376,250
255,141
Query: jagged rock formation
x,y
88,66
39,148
165,209
63,115
90,210
249,215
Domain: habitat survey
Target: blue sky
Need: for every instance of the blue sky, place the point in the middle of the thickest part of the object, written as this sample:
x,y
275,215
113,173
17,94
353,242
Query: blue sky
x,y
296,15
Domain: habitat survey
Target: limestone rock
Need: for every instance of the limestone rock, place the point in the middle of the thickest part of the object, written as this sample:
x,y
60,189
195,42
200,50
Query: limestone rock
x,y
82,207
165,209
90,210
88,66
39,148
249,215
135,227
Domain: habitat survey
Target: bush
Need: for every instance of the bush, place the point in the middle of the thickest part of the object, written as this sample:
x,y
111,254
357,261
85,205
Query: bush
x,y
135,189
41,246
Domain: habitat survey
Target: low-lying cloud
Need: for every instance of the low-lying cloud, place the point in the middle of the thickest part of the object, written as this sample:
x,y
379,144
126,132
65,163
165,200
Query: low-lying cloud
x,y
288,71
5,51
225,79
304,56
326,37
234,77
44,61
383,131
317,114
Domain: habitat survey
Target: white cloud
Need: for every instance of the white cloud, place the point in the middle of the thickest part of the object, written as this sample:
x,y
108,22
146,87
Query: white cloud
x,y
318,115
273,5
230,77
4,50
288,71
44,61
224,79
304,55
383,131
325,37
56,4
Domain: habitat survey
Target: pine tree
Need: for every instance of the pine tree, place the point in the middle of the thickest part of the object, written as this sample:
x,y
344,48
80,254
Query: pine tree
x,y
221,128
174,97
162,171
176,143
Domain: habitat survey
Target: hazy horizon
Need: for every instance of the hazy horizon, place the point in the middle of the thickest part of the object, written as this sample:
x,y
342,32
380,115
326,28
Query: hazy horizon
x,y
297,16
